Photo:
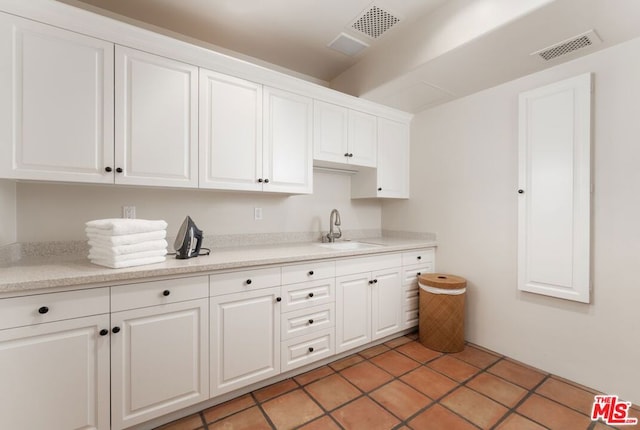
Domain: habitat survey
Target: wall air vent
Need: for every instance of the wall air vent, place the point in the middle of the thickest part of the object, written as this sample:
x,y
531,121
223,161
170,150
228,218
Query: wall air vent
x,y
566,46
374,21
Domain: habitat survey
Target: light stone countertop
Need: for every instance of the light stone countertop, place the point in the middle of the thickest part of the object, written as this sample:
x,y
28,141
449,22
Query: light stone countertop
x,y
37,273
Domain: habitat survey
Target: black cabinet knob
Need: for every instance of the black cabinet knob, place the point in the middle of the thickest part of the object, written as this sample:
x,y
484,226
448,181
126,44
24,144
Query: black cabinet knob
x,y
119,169
379,189
520,191
166,293
104,332
116,329
108,169
419,257
43,310
248,282
310,321
259,179
311,349
370,282
266,181
278,299
310,272
310,294
350,155
418,274
346,154
375,281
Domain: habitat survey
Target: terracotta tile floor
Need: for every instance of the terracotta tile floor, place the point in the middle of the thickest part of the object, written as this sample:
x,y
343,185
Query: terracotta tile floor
x,y
403,385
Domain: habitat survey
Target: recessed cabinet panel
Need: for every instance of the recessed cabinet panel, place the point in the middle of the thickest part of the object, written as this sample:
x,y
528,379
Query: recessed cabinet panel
x,y
386,303
555,190
230,132
353,311
156,120
330,127
363,139
56,103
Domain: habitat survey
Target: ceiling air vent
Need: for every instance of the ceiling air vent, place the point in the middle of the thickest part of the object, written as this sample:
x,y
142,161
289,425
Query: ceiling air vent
x,y
374,22
347,45
566,46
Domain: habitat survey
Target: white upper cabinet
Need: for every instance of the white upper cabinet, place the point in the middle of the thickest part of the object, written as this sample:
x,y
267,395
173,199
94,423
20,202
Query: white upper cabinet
x,y
343,135
288,145
56,103
391,178
230,132
156,120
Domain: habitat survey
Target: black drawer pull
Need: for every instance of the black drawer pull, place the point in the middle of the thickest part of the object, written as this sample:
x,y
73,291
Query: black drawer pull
x,y
311,349
166,293
310,272
310,295
104,332
43,310
418,274
370,282
116,329
419,257
278,299
310,321
248,282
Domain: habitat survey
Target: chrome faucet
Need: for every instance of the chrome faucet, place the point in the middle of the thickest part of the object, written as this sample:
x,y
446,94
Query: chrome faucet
x,y
334,220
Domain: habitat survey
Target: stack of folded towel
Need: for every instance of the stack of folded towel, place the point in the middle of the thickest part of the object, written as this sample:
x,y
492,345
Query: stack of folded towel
x,y
121,242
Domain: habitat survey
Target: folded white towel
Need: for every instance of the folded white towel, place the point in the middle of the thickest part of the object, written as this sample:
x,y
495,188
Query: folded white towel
x,y
93,254
129,263
100,247
120,226
125,239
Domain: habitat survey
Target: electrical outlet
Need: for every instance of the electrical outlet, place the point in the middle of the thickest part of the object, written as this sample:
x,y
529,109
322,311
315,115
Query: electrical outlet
x,y
257,214
128,212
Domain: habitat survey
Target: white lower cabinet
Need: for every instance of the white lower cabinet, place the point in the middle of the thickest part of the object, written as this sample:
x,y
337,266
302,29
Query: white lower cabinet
x,y
54,361
368,304
159,353
245,338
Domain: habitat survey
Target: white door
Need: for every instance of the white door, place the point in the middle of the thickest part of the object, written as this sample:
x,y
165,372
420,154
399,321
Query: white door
x,y
363,138
386,303
156,120
230,132
55,376
393,159
245,339
330,128
554,196
353,311
288,142
159,360
56,104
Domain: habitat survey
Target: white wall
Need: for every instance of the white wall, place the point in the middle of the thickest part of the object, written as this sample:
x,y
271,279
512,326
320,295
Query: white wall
x,y
49,212
464,182
7,212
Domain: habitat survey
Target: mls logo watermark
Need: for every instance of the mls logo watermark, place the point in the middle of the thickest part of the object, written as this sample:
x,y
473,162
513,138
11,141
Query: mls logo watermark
x,y
612,411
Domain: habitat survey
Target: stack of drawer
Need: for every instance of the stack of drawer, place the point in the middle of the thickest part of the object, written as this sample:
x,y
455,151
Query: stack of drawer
x,y
414,263
308,313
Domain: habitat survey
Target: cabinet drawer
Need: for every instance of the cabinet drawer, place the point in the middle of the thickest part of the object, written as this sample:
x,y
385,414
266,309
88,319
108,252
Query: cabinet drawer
x,y
410,276
139,295
303,350
245,280
305,321
42,308
350,266
419,256
307,294
309,271
410,318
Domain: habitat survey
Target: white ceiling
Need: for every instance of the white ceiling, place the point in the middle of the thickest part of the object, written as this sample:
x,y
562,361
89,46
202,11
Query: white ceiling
x,y
440,49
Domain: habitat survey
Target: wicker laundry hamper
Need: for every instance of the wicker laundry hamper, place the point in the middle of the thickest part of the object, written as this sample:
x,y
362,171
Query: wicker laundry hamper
x,y
441,311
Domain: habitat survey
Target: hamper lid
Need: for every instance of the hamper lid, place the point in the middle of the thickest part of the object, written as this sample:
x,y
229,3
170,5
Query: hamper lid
x,y
443,281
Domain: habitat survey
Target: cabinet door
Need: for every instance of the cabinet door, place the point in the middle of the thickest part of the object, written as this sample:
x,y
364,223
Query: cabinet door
x,y
230,132
363,138
245,339
330,128
159,361
288,148
55,376
56,103
353,311
156,120
393,159
386,303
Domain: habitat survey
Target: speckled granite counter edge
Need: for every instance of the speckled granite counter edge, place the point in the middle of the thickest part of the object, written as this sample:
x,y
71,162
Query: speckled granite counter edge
x,y
38,273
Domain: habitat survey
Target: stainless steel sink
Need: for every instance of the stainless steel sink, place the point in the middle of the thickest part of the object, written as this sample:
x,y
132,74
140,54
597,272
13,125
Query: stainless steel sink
x,y
348,245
